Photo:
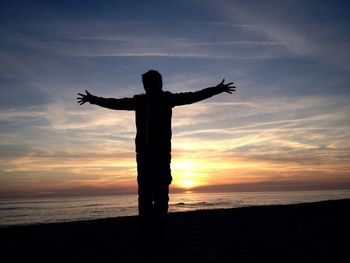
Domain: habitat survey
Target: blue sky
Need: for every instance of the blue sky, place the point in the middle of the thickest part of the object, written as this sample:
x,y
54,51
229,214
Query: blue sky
x,y
288,122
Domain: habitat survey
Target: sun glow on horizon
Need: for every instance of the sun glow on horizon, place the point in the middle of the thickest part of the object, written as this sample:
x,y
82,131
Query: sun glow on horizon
x,y
187,183
187,174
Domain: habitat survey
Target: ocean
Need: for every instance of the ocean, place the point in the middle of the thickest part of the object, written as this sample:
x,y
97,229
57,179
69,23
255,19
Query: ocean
x,y
65,209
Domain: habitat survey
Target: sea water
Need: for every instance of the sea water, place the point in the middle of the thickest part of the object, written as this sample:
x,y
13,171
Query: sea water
x,y
65,209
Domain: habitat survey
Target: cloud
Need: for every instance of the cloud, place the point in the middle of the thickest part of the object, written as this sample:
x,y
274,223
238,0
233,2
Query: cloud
x,y
281,134
299,35
146,39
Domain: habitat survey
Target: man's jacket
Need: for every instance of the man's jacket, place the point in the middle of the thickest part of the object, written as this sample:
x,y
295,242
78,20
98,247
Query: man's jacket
x,y
153,117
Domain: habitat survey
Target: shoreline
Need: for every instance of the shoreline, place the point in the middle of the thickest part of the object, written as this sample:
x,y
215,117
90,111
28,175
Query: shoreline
x,y
169,213
15,213
305,232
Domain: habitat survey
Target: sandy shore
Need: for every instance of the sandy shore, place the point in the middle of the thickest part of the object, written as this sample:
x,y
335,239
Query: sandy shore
x,y
314,232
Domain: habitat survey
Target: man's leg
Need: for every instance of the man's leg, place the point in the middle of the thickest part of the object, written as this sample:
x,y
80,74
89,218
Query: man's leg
x,y
161,196
161,200
145,212
160,214
145,199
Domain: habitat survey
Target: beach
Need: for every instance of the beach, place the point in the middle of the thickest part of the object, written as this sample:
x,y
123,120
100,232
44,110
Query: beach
x,y
308,232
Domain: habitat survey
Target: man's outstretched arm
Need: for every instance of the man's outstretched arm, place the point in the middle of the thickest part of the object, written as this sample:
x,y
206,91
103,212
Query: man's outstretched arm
x,y
179,99
114,104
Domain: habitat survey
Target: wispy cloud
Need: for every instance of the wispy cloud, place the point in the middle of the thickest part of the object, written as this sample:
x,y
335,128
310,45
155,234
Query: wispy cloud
x,y
309,133
146,39
276,22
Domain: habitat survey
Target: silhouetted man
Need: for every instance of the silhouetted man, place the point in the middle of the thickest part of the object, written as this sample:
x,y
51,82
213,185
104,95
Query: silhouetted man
x,y
153,139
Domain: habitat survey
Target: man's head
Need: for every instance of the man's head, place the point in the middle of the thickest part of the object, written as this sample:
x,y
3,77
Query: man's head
x,y
152,81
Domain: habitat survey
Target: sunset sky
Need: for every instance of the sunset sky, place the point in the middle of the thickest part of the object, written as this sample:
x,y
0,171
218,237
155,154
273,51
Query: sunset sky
x,y
287,127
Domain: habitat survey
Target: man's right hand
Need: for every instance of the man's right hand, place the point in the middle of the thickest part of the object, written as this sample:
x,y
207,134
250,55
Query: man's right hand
x,y
226,87
88,97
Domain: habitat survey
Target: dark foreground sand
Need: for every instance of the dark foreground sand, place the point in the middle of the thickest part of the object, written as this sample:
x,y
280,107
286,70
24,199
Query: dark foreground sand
x,y
315,232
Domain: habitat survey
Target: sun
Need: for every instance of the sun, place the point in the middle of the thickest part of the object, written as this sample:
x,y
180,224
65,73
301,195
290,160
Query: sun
x,y
187,180
187,183
186,175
